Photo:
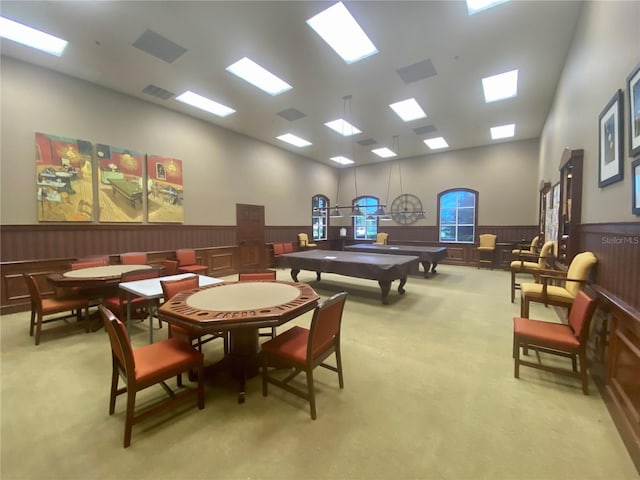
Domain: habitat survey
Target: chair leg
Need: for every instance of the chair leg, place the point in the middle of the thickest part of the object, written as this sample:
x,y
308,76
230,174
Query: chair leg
x,y
513,286
524,307
311,393
114,388
128,425
516,357
38,328
583,373
32,324
339,368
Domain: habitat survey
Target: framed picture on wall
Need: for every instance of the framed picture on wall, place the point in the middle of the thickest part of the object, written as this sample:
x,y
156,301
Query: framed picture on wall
x,y
635,185
610,142
633,93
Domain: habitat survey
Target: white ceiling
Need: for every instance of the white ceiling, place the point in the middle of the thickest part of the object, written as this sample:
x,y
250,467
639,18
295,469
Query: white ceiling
x,y
532,36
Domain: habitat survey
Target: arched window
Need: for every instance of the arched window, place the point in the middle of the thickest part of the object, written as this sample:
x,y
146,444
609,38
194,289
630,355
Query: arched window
x,y
319,216
457,215
365,227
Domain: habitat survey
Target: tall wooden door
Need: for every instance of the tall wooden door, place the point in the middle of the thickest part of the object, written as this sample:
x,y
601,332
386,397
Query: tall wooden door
x,y
250,236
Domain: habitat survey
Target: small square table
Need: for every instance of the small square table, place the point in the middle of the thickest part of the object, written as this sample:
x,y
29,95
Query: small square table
x,y
151,289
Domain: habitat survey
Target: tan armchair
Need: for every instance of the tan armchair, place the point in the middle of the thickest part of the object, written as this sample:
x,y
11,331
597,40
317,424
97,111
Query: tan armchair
x,y
532,251
303,241
562,296
381,238
487,249
524,265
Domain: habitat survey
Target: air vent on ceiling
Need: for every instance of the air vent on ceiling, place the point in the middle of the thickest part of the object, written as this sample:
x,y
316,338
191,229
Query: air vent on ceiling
x,y
417,71
291,114
158,92
367,141
425,129
160,47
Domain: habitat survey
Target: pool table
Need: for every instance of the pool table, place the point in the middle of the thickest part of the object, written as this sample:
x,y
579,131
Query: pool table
x,y
131,191
429,256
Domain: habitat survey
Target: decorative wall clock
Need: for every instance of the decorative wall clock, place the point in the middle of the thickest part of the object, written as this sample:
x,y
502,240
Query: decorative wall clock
x,y
406,209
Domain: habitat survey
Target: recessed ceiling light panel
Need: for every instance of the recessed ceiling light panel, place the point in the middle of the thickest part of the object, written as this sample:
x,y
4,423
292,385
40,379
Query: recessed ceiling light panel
x,y
294,140
501,86
408,110
384,152
31,37
436,143
475,6
251,72
343,127
205,104
503,131
340,30
342,160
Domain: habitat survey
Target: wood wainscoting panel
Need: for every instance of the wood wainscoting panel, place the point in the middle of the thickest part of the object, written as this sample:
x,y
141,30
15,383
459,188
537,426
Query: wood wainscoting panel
x,y
221,261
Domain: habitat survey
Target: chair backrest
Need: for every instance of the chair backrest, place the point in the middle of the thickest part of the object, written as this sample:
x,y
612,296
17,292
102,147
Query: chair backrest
x,y
141,274
120,342
170,288
133,258
544,254
488,240
34,291
534,243
170,267
252,276
381,238
580,315
278,249
579,269
303,239
325,325
288,247
186,256
98,262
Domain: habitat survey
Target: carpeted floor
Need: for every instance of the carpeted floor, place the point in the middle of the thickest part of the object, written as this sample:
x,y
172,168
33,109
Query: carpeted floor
x,y
429,394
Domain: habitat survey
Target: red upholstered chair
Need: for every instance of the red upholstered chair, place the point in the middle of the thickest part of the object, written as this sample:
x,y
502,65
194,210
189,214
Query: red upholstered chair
x,y
170,267
264,275
146,366
118,303
288,247
98,262
171,288
133,258
556,339
41,307
278,249
187,262
304,350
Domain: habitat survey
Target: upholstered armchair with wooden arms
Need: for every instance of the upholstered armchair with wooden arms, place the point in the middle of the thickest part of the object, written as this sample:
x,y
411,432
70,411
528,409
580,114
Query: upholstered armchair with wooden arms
x,y
524,264
133,258
381,238
303,241
573,280
487,249
187,262
533,249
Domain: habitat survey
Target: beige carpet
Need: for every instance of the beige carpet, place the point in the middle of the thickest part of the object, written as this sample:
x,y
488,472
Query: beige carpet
x,y
429,394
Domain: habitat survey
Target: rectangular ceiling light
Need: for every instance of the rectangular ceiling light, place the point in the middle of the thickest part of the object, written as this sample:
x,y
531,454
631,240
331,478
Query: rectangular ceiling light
x,y
408,110
475,6
342,160
499,87
31,37
384,152
294,140
258,76
340,30
343,127
503,131
205,104
436,143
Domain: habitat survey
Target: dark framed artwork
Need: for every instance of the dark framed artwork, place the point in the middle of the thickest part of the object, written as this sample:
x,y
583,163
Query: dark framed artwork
x,y
633,94
610,142
635,186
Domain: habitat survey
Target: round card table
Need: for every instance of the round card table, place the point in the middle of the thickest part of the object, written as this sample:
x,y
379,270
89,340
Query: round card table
x,y
239,308
94,276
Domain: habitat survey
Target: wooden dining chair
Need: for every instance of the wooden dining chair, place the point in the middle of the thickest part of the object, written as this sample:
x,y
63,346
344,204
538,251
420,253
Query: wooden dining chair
x,y
257,276
557,339
187,262
305,349
146,366
42,307
170,267
133,258
170,288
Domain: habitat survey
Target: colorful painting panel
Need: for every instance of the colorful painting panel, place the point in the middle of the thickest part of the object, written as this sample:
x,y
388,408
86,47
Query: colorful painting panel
x,y
121,184
165,190
64,183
